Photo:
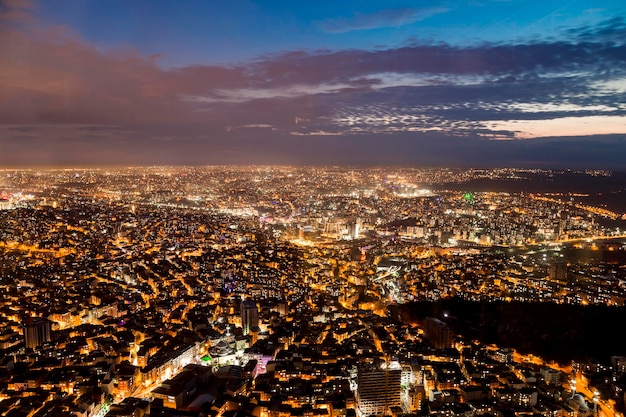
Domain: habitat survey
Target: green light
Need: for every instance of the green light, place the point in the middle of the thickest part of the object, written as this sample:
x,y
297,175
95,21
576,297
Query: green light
x,y
207,358
468,197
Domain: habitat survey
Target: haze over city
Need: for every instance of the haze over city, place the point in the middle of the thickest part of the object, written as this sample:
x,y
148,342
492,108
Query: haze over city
x,y
476,83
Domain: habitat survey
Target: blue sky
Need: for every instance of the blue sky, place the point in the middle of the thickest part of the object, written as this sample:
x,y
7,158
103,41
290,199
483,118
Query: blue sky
x,y
473,83
207,32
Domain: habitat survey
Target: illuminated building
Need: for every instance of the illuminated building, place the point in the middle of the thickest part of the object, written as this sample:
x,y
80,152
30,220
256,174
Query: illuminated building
x,y
378,390
249,316
36,333
354,229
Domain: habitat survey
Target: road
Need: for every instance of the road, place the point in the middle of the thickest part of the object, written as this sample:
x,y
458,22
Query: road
x,y
581,383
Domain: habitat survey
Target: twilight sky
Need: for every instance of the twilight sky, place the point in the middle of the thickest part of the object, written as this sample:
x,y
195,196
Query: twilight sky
x,y
454,83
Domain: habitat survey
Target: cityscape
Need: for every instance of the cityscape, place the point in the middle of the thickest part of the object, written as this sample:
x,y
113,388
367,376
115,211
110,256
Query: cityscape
x,y
269,208
276,291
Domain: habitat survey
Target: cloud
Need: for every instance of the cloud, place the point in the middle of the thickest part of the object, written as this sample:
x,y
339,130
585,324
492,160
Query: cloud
x,y
610,87
16,12
316,133
380,19
610,30
251,126
280,92
65,100
54,77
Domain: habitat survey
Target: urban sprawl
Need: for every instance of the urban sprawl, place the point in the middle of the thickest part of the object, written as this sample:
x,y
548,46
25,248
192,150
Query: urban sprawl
x,y
266,292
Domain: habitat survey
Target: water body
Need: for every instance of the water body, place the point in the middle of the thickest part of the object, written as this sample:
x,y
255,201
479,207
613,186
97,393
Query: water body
x,y
607,192
606,251
581,252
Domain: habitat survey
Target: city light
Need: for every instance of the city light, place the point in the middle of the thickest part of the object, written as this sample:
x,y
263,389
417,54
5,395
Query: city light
x,y
166,294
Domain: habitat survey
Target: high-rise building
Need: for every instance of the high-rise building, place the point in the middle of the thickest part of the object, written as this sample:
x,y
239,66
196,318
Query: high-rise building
x,y
378,390
249,316
438,333
37,332
354,228
558,270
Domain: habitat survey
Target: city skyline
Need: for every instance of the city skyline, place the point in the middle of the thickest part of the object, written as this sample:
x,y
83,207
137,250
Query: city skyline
x,y
494,83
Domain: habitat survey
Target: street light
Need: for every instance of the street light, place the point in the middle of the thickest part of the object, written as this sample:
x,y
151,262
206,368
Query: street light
x,y
596,398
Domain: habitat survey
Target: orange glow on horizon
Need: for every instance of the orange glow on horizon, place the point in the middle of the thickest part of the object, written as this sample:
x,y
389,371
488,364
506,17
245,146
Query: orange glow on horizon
x,y
564,126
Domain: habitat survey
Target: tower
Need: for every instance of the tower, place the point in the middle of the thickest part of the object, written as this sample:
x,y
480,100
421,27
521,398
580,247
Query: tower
x,y
438,333
249,316
36,333
354,228
557,270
